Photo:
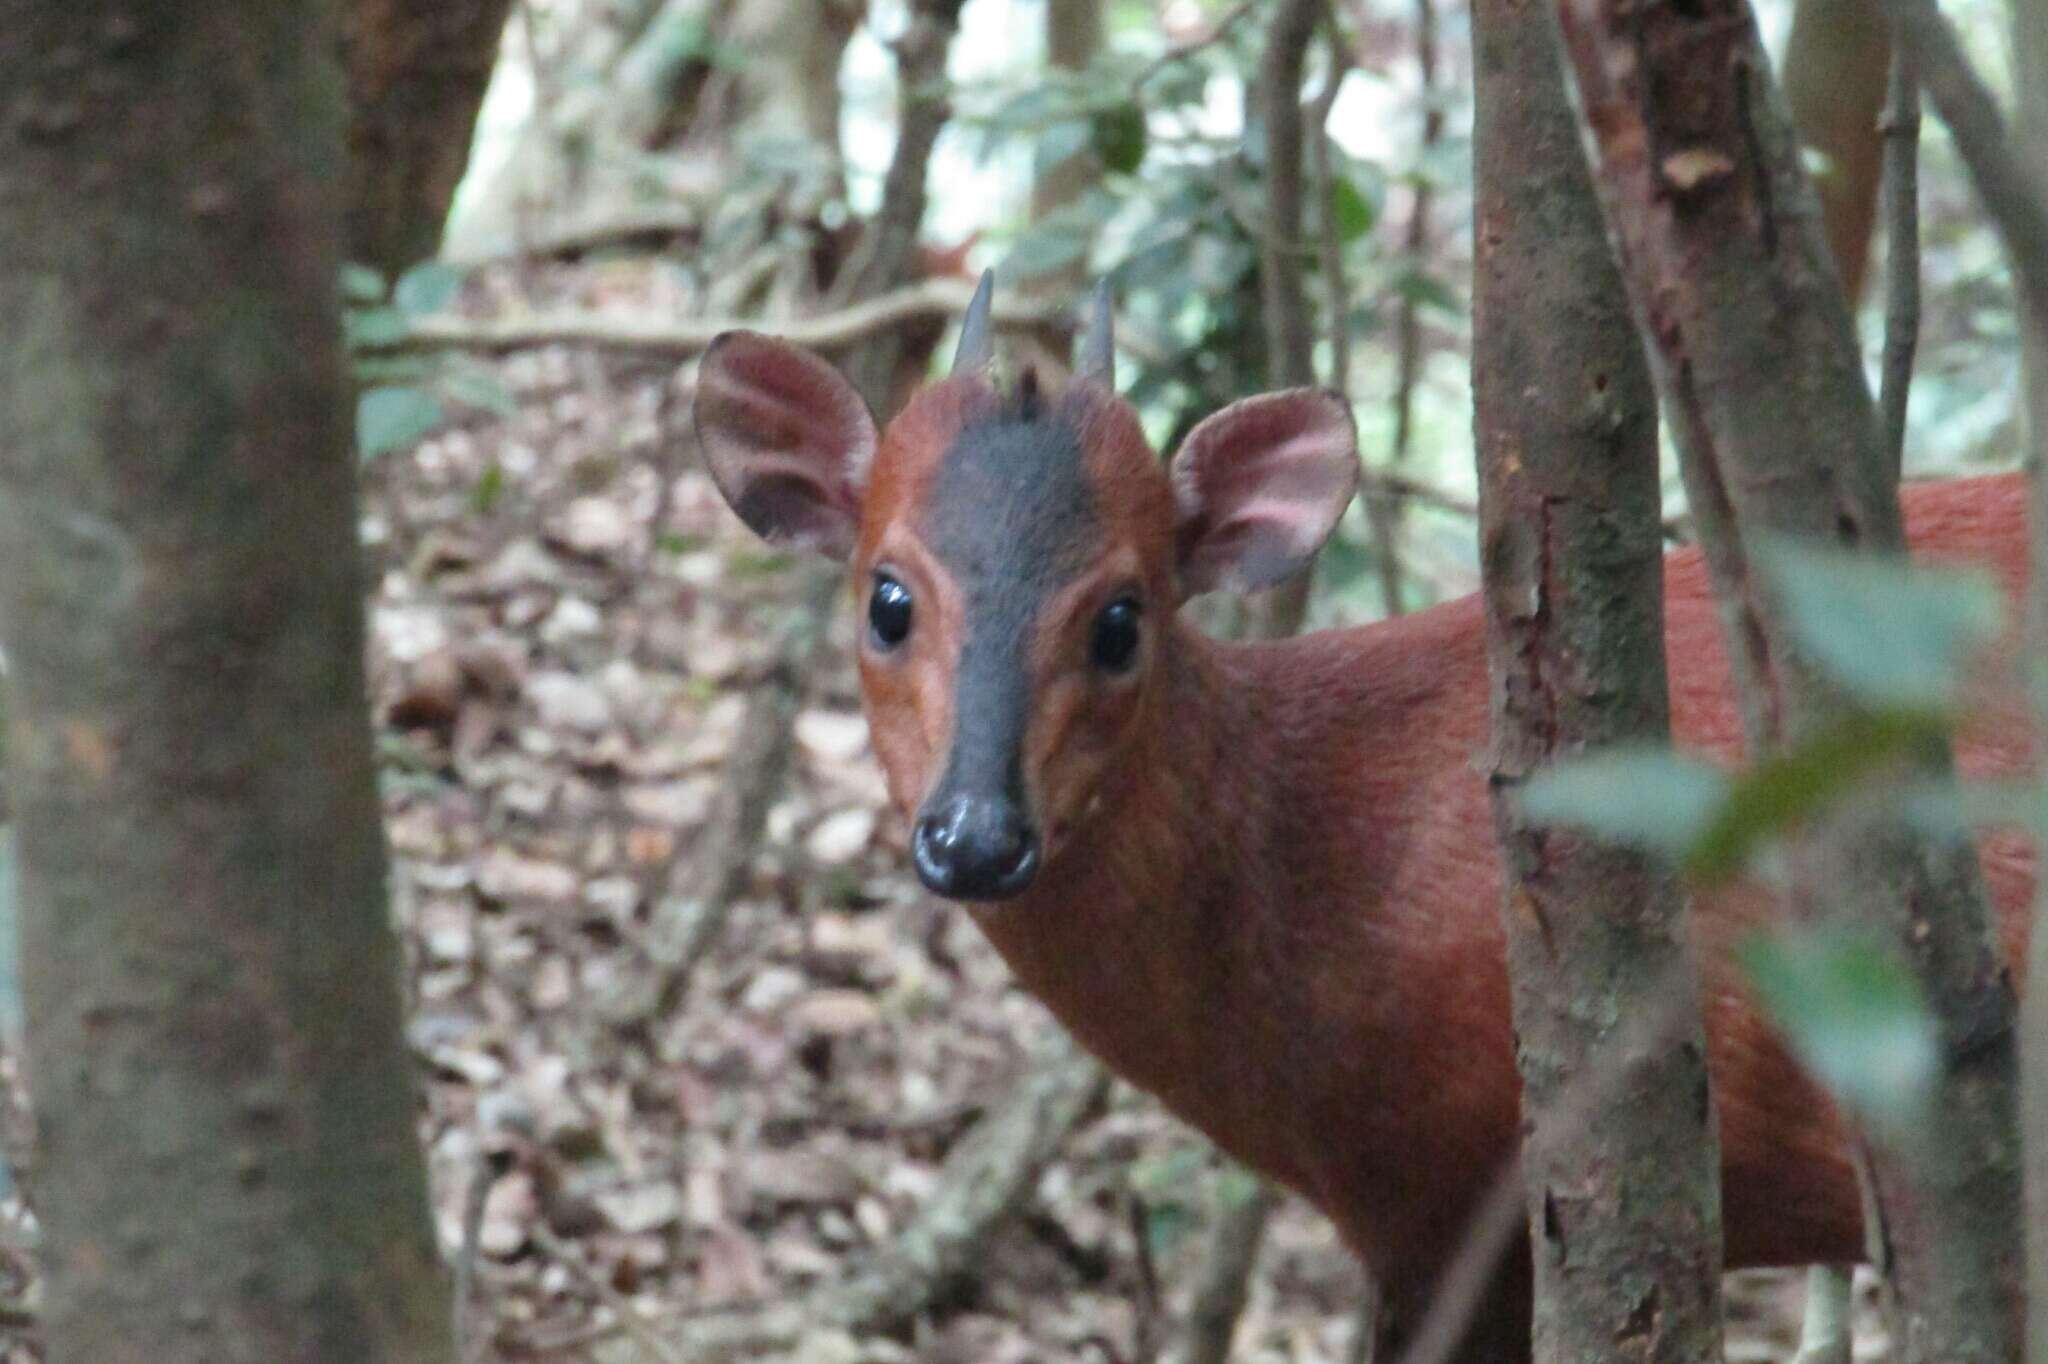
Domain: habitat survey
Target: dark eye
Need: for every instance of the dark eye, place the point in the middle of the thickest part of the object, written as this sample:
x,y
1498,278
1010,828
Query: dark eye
x,y
1114,643
889,612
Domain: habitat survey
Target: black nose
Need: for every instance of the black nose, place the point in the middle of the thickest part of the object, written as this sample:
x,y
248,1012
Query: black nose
x,y
975,848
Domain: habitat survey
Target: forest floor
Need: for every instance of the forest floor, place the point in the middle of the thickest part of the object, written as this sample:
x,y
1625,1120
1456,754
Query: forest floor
x,y
560,685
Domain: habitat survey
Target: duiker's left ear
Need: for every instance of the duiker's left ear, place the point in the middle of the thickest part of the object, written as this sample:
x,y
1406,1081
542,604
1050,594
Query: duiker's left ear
x,y
1259,486
787,440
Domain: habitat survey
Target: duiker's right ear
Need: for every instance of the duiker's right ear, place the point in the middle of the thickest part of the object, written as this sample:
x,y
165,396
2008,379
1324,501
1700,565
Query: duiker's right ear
x,y
787,440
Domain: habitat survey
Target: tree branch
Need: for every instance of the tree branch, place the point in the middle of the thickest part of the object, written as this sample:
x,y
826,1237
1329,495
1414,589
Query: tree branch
x,y
657,337
2012,191
1902,245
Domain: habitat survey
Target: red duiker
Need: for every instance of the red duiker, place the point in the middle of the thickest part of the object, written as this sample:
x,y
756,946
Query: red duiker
x,y
1259,880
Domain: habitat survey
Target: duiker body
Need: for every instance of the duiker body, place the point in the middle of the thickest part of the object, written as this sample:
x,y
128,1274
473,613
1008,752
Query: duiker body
x,y
1259,880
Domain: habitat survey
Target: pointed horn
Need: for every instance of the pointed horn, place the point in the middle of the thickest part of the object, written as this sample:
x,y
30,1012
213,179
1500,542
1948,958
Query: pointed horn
x,y
1098,342
977,337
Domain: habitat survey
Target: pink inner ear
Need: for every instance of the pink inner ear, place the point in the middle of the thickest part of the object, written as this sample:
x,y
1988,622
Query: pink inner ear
x,y
787,440
1259,486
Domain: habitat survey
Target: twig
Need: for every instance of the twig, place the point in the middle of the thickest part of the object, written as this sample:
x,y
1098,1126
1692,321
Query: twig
x,y
1902,265
1215,35
882,257
1367,1324
665,339
1221,1293
1148,1311
1283,298
687,921
1289,338
2013,193
469,1341
645,1332
1330,246
988,1174
1408,355
1824,1334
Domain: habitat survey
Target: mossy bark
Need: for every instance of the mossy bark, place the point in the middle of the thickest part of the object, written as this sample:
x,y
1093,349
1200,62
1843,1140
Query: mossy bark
x,y
229,1167
1622,1178
1762,379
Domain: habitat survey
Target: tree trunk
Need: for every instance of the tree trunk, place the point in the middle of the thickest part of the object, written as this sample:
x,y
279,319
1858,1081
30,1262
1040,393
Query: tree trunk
x,y
1836,60
1289,324
1073,39
229,1168
417,70
638,109
1760,372
2030,82
1624,1196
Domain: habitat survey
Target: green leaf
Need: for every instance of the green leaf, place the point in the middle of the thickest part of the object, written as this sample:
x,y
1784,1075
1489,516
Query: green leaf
x,y
1043,250
390,418
1646,797
1062,140
360,284
1952,809
479,386
1353,213
1428,291
1854,1016
1120,136
393,371
428,287
1790,787
1891,633
489,490
371,327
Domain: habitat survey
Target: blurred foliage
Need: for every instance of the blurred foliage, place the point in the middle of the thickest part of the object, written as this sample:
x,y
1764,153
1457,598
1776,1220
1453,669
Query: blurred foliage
x,y
1175,225
1900,642
1854,1016
403,397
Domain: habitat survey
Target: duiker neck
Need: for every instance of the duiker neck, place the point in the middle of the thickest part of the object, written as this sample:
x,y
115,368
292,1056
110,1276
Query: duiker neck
x,y
1143,932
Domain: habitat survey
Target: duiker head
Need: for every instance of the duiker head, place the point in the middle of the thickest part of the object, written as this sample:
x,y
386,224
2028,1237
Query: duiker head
x,y
1018,554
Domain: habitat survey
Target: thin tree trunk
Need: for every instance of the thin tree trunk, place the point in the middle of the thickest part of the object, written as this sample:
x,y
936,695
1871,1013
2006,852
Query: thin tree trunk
x,y
1384,512
229,1170
1283,294
417,70
1836,58
1073,39
1762,377
1902,262
1624,1200
2030,82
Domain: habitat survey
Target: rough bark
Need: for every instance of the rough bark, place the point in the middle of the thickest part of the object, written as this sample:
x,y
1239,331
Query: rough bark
x,y
1759,370
1835,62
1624,1200
417,70
229,1168
1283,293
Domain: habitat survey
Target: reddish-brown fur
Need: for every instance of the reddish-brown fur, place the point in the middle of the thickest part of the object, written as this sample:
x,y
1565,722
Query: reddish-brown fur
x,y
1270,892
1284,920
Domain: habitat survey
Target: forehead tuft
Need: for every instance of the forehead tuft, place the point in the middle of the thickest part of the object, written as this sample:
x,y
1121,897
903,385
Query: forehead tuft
x,y
1011,495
